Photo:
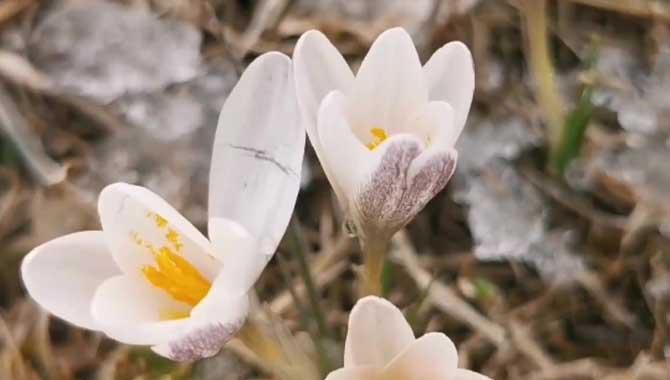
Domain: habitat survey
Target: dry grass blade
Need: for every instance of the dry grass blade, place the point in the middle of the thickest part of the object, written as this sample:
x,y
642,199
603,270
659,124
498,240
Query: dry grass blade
x,y
10,201
443,297
641,8
18,70
47,171
326,267
266,15
11,8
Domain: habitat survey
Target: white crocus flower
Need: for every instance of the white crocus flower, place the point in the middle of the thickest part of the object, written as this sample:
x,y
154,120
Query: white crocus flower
x,y
150,277
385,138
380,345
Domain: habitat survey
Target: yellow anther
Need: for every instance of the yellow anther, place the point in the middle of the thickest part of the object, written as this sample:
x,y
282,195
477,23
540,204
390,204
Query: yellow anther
x,y
171,315
177,277
159,220
174,238
172,273
379,135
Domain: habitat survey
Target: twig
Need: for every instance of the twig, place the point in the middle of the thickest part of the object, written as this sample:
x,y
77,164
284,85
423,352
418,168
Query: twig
x,y
11,200
20,71
247,356
44,351
443,297
267,14
639,8
572,200
578,369
594,286
107,368
326,268
11,8
290,286
524,342
47,171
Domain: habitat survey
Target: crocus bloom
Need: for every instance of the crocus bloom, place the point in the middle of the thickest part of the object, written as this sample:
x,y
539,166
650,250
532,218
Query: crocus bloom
x,y
385,138
150,277
380,345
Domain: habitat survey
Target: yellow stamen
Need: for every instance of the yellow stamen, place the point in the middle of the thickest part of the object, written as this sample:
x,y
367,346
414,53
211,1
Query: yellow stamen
x,y
174,238
172,273
173,315
379,135
160,221
177,277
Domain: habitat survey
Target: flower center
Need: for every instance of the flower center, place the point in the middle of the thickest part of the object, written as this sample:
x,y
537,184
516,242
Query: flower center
x,y
177,277
172,273
379,136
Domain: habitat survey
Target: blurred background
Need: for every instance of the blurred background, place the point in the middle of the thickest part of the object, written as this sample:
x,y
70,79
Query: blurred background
x,y
546,257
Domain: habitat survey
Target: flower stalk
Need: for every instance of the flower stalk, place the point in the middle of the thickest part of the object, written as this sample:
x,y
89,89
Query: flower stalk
x,y
375,250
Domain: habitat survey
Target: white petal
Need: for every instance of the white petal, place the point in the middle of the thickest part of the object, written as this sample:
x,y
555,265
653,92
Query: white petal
x,y
377,333
63,274
318,69
258,151
346,156
450,77
243,261
434,123
357,373
464,374
389,86
135,221
432,356
128,309
213,322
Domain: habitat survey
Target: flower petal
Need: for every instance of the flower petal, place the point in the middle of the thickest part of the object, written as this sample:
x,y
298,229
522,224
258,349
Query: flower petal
x,y
451,78
128,309
212,324
131,311
319,69
434,123
357,373
341,147
243,262
63,274
377,333
464,374
389,85
137,222
258,151
427,176
432,356
403,182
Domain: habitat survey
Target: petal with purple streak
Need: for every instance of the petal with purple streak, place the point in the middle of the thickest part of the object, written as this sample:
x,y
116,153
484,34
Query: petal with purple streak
x,y
402,184
200,343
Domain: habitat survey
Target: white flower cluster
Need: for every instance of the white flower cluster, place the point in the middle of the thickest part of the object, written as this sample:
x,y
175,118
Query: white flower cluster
x,y
385,138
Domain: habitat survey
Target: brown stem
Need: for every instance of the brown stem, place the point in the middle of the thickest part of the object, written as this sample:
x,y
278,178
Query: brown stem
x,y
375,250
